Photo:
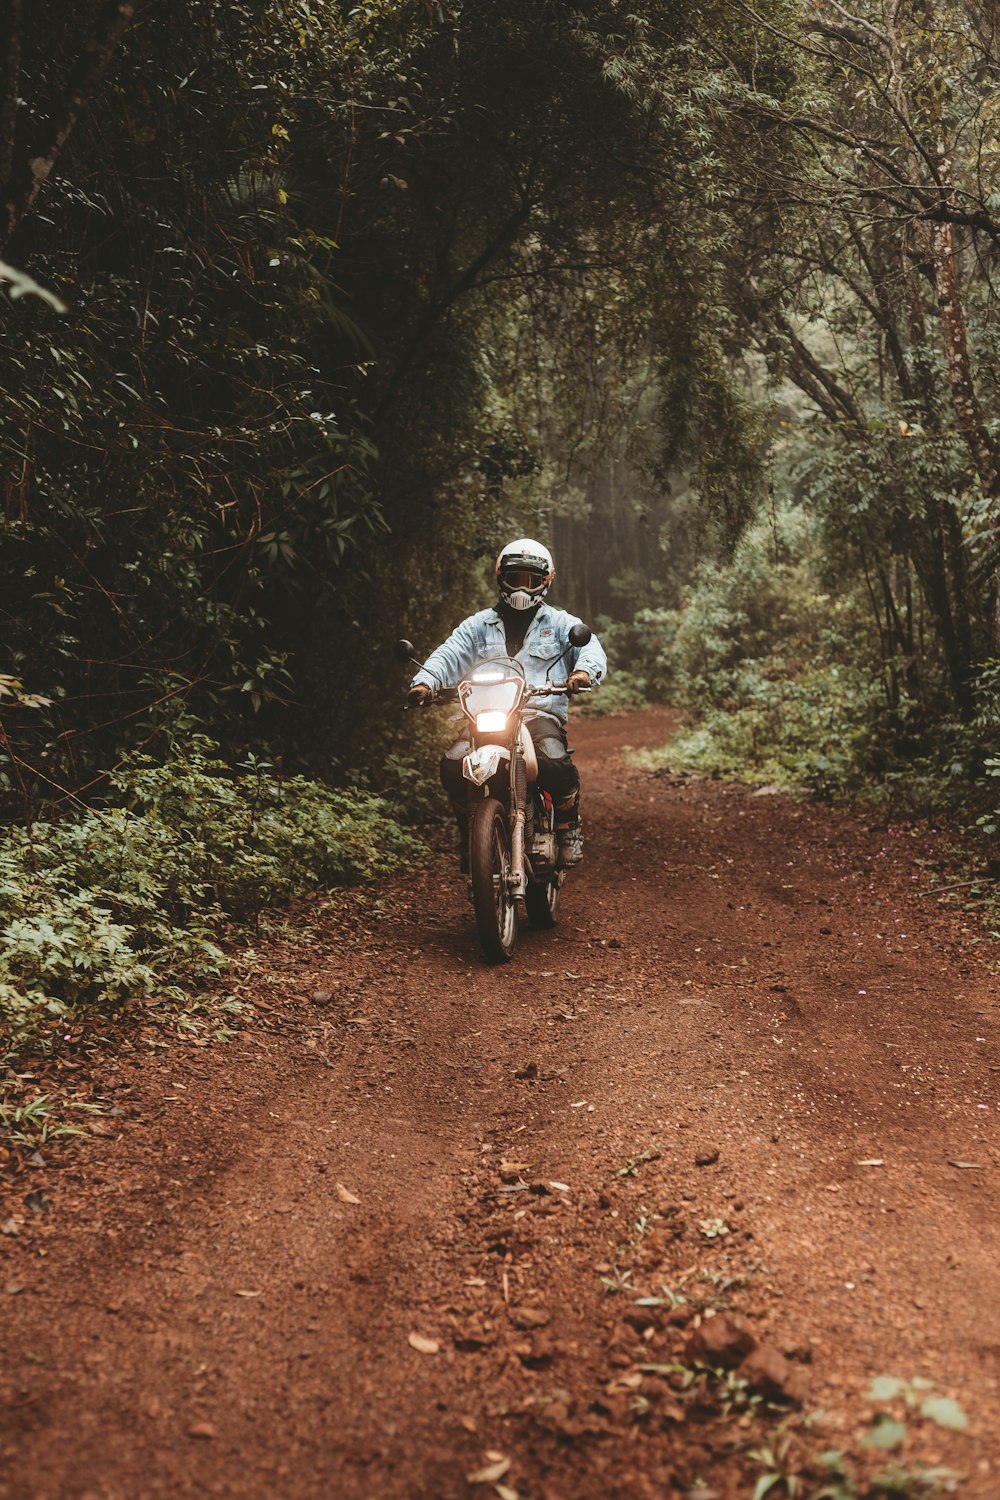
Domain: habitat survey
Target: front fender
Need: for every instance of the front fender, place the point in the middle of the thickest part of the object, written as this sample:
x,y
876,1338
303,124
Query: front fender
x,y
483,763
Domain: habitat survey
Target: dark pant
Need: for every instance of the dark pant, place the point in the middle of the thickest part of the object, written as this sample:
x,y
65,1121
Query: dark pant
x,y
557,774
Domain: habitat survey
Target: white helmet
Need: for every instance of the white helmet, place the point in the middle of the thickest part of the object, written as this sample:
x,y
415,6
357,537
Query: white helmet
x,y
524,573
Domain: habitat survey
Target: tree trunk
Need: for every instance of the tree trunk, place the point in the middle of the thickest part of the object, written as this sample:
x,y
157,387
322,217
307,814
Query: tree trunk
x,y
964,402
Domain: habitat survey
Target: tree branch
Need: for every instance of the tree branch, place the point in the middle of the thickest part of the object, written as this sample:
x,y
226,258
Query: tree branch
x,y
88,76
12,80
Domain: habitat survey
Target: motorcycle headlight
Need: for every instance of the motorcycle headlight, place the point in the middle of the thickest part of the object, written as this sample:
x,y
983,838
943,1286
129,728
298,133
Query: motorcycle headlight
x,y
493,721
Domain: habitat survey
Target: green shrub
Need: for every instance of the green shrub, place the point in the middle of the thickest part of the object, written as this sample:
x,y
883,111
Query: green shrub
x,y
822,730
780,670
130,899
623,692
641,659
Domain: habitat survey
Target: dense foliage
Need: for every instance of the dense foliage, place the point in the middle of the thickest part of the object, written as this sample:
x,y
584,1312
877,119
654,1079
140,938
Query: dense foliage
x,y
132,899
313,305
868,318
353,293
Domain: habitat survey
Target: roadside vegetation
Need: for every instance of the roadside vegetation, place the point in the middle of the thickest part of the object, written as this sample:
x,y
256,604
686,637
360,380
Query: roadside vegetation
x,y
779,667
306,308
136,897
311,307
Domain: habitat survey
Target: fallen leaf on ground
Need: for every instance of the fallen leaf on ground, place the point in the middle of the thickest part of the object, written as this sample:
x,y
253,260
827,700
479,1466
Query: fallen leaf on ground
x,y
345,1195
967,1166
873,1161
490,1474
247,1294
422,1345
202,1430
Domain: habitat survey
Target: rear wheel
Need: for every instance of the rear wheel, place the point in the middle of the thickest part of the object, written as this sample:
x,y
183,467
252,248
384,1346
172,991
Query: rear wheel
x,y
489,869
542,903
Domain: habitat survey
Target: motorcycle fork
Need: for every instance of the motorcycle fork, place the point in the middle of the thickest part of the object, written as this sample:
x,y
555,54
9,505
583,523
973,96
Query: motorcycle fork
x,y
516,802
518,798
514,799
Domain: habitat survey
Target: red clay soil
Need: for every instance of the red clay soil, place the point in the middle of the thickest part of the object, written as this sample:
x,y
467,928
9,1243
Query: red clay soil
x,y
423,1219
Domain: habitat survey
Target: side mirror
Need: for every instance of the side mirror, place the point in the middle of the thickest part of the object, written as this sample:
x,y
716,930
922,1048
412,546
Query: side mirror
x,y
580,635
406,650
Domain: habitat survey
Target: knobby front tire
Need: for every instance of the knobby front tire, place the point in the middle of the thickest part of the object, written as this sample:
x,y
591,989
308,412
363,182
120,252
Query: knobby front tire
x,y
489,869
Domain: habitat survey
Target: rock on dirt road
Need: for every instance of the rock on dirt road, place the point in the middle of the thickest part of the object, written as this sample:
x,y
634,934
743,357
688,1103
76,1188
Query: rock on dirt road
x,y
606,1222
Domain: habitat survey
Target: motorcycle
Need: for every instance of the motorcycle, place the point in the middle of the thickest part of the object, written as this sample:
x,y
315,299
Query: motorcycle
x,y
512,841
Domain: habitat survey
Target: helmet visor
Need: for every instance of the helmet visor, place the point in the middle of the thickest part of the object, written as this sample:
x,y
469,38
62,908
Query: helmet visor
x,y
522,577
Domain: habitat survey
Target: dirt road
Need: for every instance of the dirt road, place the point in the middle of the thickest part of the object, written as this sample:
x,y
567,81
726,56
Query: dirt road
x,y
423,1219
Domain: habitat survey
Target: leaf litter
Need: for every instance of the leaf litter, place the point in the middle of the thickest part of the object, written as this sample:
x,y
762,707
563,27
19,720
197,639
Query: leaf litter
x,y
424,1345
491,1472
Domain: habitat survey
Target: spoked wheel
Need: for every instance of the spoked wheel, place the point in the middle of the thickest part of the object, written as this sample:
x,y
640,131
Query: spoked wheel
x,y
489,866
542,902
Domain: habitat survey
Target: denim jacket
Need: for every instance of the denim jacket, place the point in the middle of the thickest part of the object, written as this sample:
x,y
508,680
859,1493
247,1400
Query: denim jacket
x,y
482,636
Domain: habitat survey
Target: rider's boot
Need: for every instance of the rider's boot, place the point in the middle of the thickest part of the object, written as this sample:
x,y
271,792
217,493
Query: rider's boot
x,y
569,834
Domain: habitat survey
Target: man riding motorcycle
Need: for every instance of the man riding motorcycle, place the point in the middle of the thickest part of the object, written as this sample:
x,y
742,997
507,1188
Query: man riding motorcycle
x,y
522,626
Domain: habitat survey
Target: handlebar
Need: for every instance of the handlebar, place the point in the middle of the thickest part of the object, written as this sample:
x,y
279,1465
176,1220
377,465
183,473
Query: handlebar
x,y
446,695
435,698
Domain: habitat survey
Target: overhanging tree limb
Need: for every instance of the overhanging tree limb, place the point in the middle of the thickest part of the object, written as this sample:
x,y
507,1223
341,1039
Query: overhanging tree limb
x,y
113,24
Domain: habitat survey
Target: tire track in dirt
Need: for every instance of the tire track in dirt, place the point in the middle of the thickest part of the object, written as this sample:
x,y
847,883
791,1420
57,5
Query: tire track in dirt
x,y
730,973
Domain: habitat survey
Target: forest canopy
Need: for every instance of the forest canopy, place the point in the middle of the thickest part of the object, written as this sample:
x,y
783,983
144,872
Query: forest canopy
x,y
353,293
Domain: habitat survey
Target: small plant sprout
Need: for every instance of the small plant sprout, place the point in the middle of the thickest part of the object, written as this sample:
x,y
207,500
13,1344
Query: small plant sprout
x,y
619,1280
918,1396
631,1167
35,1122
778,1478
923,1481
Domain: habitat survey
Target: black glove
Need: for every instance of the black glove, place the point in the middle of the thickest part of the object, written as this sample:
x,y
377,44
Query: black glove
x,y
418,695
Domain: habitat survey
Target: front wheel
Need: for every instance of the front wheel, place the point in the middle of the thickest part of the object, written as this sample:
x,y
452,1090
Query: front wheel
x,y
542,902
489,868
